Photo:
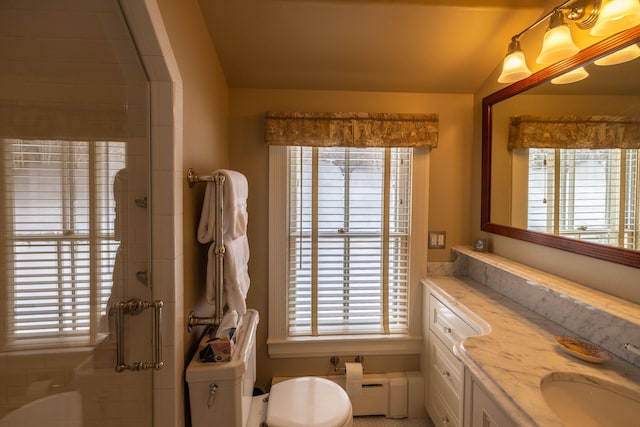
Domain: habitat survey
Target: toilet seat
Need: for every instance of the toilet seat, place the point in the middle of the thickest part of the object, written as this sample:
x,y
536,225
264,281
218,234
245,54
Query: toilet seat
x,y
308,402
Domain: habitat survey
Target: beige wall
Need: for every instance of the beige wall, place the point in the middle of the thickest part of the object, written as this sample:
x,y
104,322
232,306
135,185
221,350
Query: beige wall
x,y
223,128
205,133
450,187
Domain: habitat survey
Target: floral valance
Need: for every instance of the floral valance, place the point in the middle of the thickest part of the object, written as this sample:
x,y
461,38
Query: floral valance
x,y
351,129
593,132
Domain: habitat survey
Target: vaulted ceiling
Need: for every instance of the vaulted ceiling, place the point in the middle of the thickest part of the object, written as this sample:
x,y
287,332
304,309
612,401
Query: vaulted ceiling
x,y
432,46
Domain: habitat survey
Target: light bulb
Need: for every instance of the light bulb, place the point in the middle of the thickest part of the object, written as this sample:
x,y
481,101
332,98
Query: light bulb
x,y
514,67
620,56
616,16
557,43
571,76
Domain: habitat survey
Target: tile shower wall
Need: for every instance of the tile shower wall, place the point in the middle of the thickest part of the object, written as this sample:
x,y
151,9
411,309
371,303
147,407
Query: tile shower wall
x,y
56,371
24,378
108,397
167,178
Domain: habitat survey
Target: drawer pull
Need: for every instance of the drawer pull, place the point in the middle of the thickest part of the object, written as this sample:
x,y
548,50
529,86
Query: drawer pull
x,y
445,420
447,330
446,373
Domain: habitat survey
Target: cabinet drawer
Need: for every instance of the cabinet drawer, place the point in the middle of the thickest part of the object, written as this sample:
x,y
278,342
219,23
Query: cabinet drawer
x,y
446,324
446,367
441,413
485,412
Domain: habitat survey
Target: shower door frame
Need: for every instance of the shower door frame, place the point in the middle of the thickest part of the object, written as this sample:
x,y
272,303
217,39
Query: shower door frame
x,y
152,42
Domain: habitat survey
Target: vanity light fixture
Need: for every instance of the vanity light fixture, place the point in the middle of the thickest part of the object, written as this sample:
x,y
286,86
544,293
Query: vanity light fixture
x,y
620,56
571,76
514,67
601,17
617,15
557,43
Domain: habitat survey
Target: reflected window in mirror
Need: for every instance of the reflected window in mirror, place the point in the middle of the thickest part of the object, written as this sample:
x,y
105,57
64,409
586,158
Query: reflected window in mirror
x,y
590,195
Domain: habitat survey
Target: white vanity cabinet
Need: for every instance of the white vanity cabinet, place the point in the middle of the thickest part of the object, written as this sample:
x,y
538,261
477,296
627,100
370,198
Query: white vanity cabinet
x,y
445,373
483,412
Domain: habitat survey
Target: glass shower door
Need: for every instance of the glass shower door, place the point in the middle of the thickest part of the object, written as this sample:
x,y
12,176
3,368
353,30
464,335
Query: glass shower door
x,y
78,323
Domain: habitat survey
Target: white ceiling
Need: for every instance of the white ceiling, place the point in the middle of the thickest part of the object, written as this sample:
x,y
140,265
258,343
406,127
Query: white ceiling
x,y
431,46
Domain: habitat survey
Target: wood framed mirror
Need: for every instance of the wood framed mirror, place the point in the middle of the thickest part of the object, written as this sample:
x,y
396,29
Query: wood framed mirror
x,y
498,164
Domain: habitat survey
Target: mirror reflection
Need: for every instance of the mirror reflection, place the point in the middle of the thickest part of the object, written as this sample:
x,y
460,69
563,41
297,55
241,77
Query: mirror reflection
x,y
565,158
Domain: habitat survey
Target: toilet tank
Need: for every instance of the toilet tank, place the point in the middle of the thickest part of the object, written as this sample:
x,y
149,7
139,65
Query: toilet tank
x,y
220,392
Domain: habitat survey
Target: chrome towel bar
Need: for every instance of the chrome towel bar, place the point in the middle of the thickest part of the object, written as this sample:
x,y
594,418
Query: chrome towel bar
x,y
219,250
193,177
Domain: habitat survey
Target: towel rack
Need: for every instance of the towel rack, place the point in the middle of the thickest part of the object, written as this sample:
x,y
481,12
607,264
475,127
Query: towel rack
x,y
218,179
193,178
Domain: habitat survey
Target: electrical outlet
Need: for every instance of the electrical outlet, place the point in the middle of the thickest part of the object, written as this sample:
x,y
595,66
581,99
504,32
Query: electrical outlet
x,y
437,239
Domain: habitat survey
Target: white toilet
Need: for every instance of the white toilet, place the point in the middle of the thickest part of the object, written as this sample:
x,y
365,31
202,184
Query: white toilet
x,y
221,394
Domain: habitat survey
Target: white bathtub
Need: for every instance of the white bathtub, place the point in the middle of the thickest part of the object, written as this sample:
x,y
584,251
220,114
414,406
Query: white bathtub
x,y
56,410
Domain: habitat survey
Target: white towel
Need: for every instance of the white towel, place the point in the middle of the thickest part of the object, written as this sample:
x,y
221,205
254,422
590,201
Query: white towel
x,y
236,273
236,191
229,322
235,217
207,225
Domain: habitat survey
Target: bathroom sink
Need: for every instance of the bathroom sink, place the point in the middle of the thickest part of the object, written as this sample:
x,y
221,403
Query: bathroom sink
x,y
580,400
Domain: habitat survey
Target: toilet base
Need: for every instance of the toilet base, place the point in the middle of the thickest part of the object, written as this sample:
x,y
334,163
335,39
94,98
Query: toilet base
x,y
258,410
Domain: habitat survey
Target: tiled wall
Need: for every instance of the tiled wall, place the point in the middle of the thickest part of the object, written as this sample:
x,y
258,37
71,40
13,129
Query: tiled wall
x,y
26,376
167,181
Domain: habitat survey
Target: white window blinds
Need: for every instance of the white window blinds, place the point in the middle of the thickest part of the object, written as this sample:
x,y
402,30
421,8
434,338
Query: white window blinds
x,y
585,194
348,227
58,232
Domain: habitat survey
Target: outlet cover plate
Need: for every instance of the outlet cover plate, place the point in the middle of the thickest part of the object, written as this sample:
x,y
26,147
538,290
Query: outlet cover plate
x,y
437,239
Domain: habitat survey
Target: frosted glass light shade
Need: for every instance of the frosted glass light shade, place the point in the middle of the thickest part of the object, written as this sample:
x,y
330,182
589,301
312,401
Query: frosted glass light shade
x,y
623,55
557,45
571,76
615,16
514,68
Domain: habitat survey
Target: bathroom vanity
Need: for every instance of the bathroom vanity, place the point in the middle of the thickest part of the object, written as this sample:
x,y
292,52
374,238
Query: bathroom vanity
x,y
445,326
492,358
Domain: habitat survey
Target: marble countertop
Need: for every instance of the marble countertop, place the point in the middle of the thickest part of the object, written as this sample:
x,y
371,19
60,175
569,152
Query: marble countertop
x,y
517,350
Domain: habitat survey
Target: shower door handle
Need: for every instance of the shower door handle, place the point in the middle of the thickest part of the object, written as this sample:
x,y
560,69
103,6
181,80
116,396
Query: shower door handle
x,y
136,306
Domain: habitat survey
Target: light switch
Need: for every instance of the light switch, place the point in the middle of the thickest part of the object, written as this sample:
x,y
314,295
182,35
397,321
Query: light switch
x,y
437,239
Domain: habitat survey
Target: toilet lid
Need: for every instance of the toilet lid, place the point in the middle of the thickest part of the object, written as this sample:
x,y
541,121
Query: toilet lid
x,y
307,402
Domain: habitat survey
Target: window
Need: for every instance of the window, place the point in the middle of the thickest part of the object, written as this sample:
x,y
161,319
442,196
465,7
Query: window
x,y
347,225
342,220
348,240
597,194
58,216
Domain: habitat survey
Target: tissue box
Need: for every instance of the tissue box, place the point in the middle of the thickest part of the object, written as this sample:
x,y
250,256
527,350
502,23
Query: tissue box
x,y
218,350
213,349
